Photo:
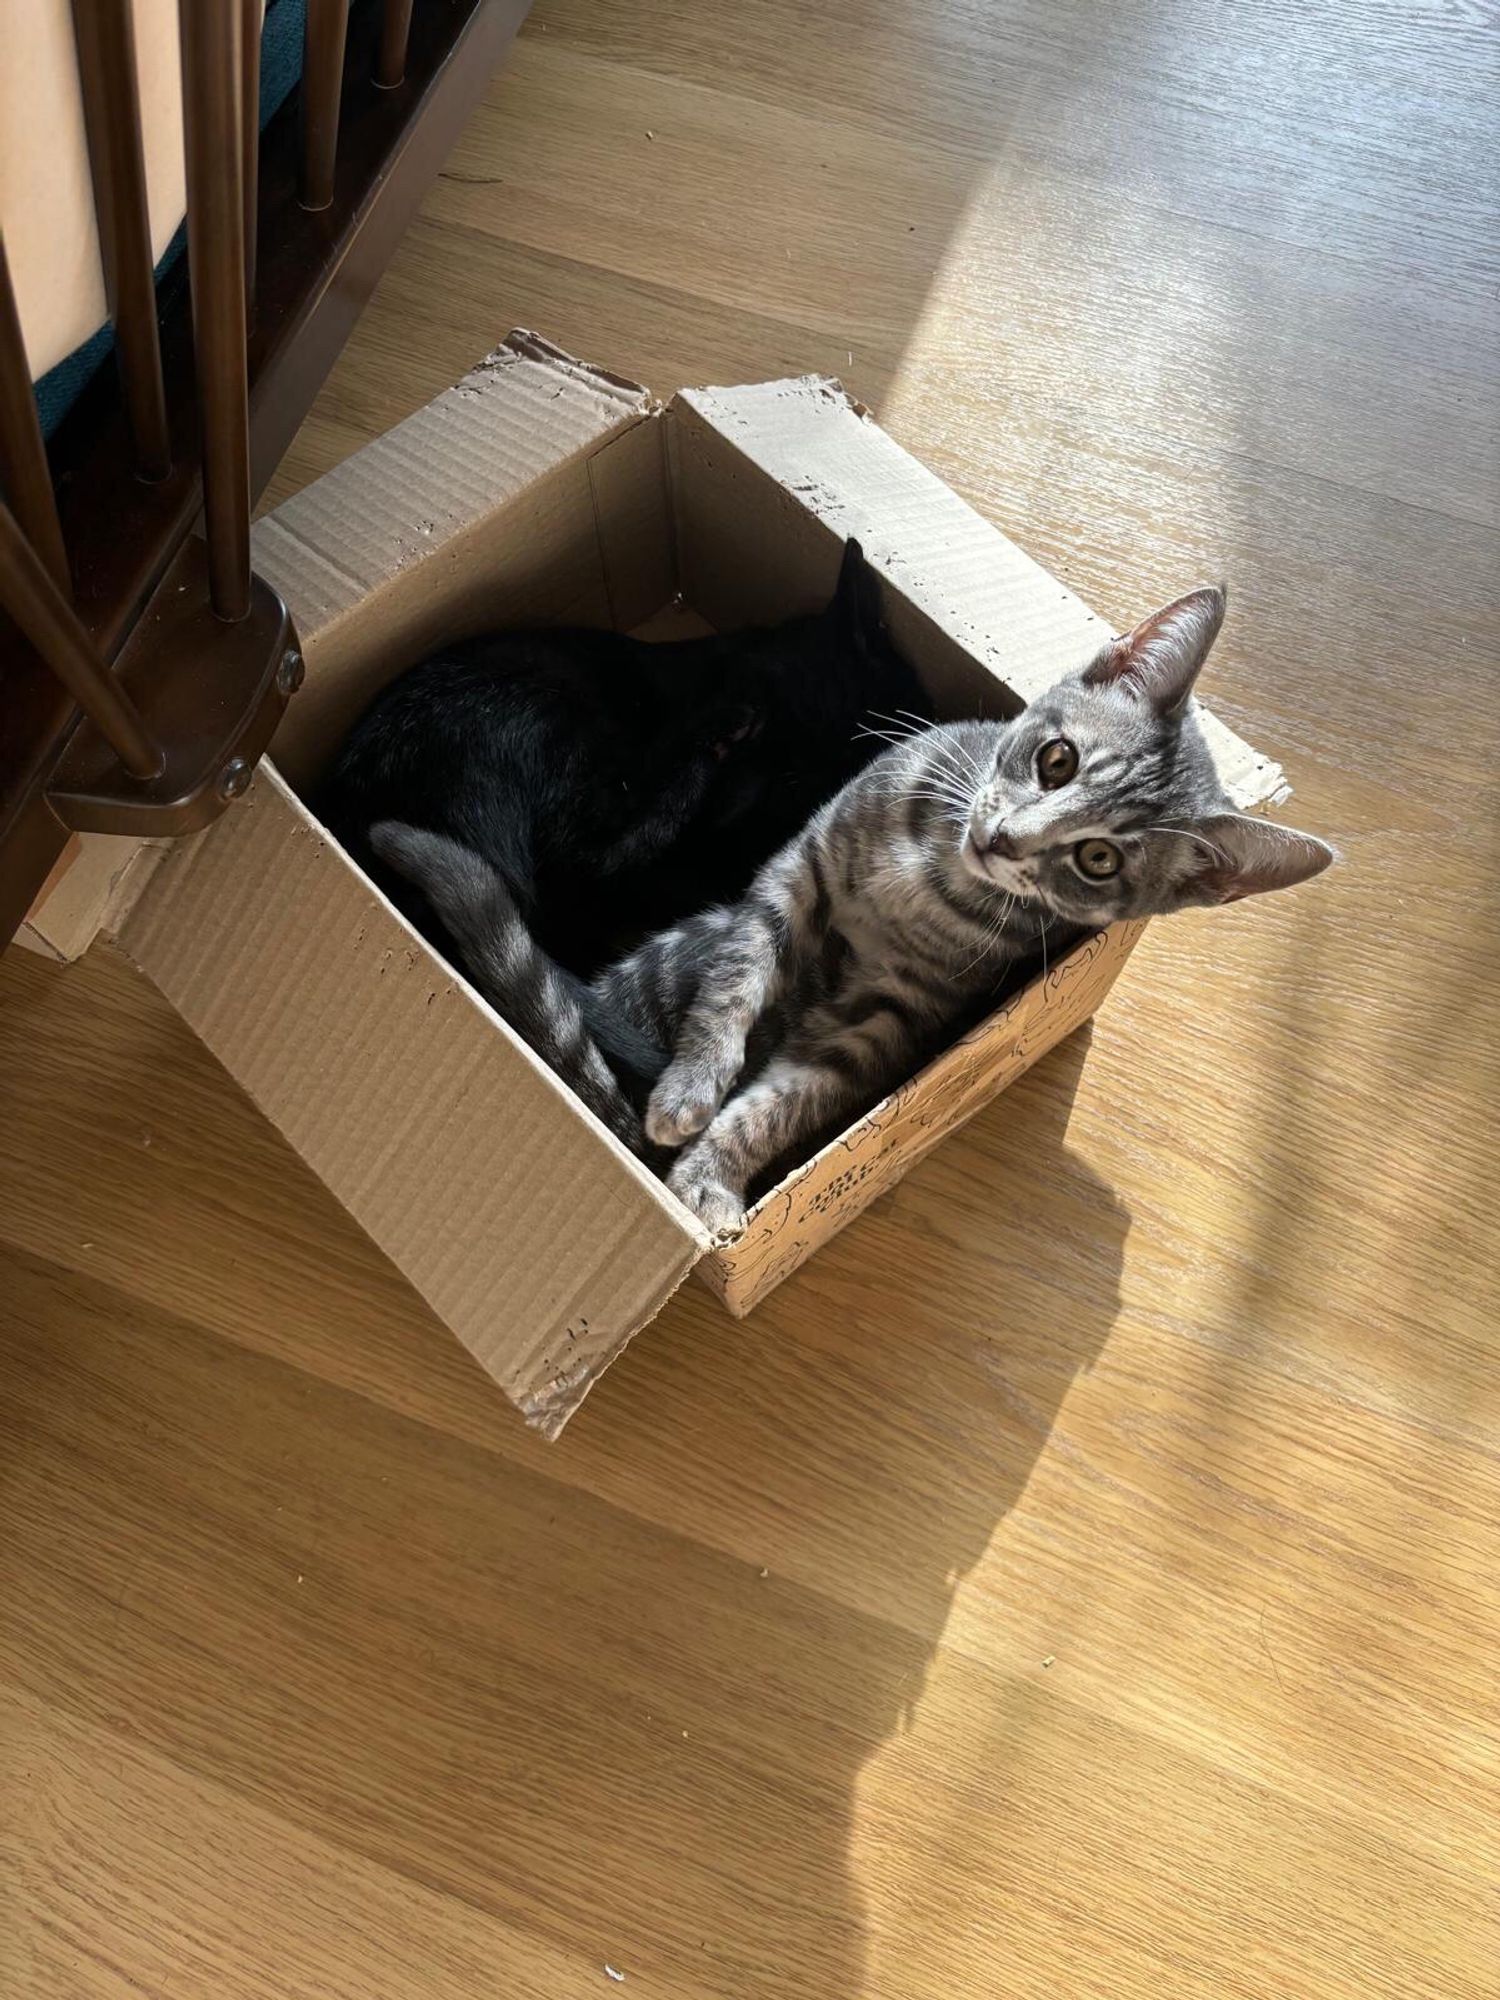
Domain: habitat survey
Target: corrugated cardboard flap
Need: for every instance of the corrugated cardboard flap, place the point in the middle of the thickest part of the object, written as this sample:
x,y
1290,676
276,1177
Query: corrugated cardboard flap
x,y
528,1229
944,560
473,514
400,500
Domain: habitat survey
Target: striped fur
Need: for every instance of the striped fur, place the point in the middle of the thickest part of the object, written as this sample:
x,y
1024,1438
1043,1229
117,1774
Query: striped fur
x,y
554,1013
858,945
960,855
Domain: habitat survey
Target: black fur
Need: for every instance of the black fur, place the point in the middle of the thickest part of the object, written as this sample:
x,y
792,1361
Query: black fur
x,y
617,786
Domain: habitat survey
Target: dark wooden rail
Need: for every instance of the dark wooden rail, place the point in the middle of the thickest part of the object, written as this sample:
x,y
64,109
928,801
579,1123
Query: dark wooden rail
x,y
395,32
322,88
105,33
34,598
213,106
23,457
250,143
142,669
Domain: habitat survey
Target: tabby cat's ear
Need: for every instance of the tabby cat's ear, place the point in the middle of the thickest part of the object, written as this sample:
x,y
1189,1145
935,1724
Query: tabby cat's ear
x,y
1159,661
858,599
1240,856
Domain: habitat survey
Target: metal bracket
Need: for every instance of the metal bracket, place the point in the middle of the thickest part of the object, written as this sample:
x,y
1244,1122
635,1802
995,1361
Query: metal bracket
x,y
210,692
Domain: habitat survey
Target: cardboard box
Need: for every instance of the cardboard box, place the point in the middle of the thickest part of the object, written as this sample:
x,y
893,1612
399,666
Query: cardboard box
x,y
541,490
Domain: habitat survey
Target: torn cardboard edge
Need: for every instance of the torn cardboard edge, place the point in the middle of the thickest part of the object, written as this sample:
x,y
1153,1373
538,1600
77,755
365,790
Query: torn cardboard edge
x,y
96,878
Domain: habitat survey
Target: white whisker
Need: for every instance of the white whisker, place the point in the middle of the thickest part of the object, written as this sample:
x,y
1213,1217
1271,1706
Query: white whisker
x,y
936,789
961,764
961,749
946,780
902,728
992,935
948,814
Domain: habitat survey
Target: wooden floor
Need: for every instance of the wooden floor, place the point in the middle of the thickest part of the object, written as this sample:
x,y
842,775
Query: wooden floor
x,y
1085,1579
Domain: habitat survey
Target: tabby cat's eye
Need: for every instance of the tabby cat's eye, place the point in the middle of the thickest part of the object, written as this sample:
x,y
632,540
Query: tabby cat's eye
x,y
1098,859
1056,762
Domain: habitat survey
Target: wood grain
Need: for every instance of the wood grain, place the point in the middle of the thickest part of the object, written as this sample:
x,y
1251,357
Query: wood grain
x,y
1081,1580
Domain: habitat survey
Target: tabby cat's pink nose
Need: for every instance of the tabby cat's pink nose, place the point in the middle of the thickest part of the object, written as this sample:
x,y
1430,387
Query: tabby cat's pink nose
x,y
1001,843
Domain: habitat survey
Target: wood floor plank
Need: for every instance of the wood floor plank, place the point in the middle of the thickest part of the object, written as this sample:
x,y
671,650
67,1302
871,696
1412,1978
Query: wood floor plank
x,y
1206,330
293,1628
210,1892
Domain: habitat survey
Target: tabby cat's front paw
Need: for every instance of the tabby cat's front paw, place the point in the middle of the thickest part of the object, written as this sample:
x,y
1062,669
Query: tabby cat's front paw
x,y
682,1105
717,1207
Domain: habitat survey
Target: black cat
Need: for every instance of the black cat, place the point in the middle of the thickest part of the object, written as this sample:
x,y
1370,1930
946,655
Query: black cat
x,y
615,785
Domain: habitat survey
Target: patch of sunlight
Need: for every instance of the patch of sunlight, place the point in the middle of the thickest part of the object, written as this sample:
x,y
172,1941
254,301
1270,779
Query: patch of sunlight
x,y
1062,318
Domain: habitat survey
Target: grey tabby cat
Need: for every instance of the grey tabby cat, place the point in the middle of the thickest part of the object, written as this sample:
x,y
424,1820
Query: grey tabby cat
x,y
959,855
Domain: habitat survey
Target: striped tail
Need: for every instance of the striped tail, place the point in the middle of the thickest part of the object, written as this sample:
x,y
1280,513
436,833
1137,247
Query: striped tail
x,y
553,1012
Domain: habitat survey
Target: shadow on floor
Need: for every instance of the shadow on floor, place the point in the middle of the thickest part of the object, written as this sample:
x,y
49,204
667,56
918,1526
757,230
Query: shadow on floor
x,y
552,1683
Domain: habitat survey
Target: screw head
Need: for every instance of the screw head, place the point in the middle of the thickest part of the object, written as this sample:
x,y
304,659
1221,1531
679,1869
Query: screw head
x,y
289,675
234,778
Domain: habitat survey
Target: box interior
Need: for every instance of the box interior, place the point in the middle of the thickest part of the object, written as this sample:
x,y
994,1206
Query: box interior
x,y
601,548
